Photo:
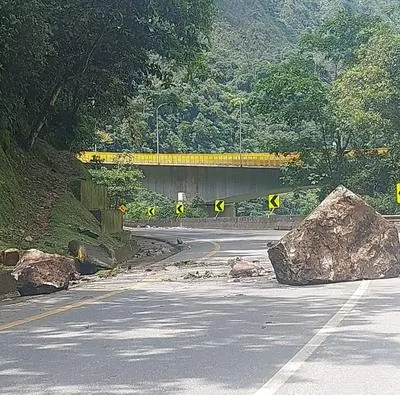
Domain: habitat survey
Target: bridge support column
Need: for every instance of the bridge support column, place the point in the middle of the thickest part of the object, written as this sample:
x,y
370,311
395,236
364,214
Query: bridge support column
x,y
230,211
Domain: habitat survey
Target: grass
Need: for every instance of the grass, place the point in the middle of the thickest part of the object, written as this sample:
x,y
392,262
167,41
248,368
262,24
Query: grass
x,y
36,200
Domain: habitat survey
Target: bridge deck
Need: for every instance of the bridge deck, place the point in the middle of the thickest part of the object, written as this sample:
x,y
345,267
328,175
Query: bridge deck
x,y
200,160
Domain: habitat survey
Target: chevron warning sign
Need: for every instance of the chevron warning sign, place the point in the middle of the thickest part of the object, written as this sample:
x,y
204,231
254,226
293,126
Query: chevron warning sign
x,y
219,206
274,201
180,209
151,211
398,193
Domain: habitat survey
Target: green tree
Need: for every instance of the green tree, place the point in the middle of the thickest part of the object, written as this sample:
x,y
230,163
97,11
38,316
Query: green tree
x,y
80,60
122,182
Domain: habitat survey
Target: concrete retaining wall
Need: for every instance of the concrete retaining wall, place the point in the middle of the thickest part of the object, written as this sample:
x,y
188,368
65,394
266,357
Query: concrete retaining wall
x,y
111,221
93,196
275,222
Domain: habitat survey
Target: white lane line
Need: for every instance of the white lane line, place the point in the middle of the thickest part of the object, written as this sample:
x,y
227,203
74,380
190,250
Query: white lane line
x,y
288,370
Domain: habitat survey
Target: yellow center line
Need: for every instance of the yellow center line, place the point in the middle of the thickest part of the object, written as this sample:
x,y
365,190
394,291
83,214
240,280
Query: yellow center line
x,y
76,305
72,306
217,248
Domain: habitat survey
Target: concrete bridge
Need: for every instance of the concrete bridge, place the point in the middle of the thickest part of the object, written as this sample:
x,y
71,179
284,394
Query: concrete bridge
x,y
233,177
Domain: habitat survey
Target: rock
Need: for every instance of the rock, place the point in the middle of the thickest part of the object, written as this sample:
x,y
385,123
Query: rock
x,y
344,239
179,241
8,285
77,250
242,268
41,273
90,259
28,239
9,257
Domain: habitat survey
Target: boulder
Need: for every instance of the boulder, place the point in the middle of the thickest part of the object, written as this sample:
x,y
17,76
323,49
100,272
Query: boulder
x,y
41,273
344,239
90,259
9,257
8,285
242,268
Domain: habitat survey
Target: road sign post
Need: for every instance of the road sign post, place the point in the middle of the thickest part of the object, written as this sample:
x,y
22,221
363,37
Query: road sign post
x,y
274,202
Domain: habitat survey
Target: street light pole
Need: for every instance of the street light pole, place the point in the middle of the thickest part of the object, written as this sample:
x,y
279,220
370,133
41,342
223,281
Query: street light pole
x,y
157,131
240,133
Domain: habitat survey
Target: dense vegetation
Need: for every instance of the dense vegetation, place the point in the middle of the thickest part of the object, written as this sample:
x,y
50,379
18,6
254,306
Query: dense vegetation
x,y
315,76
319,78
68,67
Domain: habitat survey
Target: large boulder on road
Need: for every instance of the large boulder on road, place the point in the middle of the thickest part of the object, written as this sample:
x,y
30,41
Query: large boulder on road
x,y
41,273
344,239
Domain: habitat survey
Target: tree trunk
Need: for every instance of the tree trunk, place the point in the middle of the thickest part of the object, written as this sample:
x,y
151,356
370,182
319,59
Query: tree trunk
x,y
37,128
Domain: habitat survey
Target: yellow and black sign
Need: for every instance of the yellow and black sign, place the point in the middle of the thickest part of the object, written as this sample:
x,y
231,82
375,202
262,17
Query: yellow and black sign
x,y
274,201
398,193
180,209
123,209
151,211
219,206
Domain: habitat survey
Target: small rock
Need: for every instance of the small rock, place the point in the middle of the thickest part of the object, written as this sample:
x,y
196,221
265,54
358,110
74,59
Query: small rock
x,y
9,257
28,239
179,241
242,268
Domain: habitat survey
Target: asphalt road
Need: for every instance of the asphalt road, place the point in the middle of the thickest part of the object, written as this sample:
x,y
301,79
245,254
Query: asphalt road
x,y
145,334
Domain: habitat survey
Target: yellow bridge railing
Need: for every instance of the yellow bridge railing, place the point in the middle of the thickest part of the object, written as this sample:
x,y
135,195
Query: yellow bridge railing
x,y
207,160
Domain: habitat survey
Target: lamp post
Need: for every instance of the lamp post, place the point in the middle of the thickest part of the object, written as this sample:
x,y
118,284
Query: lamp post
x,y
157,131
240,133
239,101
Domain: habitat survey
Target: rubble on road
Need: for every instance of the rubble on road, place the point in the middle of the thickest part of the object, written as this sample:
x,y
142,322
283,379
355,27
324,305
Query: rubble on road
x,y
188,263
197,275
242,268
344,239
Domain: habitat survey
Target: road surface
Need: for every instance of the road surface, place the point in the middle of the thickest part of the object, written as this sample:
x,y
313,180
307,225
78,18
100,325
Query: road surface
x,y
155,333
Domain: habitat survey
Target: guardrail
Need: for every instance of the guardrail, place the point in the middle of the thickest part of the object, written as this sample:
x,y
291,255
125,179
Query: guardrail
x,y
206,160
261,159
